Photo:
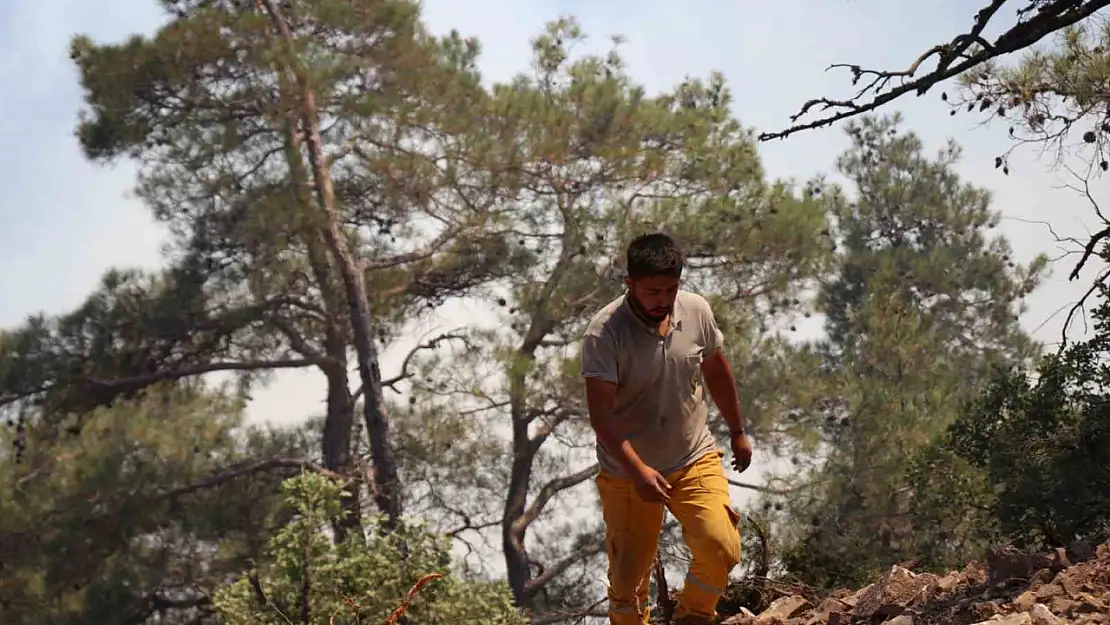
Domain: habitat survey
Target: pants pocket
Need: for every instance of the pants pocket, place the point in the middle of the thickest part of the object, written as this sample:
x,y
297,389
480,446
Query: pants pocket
x,y
734,516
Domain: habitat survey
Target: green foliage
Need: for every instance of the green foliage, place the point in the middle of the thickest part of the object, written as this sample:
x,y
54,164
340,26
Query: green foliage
x,y
131,519
304,576
590,160
1054,93
302,153
922,310
951,498
135,330
1040,443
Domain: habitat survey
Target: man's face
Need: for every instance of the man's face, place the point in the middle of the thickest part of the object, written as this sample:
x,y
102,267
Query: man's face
x,y
654,294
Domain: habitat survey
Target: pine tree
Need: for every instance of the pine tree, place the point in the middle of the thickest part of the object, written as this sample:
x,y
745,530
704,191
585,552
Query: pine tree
x,y
595,162
142,516
316,159
922,312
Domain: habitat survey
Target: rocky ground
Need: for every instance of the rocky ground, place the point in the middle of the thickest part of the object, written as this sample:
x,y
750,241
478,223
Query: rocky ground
x,y
1068,586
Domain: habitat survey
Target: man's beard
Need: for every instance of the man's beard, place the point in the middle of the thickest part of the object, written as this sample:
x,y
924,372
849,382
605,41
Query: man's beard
x,y
650,315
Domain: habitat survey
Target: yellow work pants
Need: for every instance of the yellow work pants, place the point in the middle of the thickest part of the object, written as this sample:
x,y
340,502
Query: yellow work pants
x,y
700,503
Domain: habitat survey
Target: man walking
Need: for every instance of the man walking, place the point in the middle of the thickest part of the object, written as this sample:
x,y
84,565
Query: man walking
x,y
647,359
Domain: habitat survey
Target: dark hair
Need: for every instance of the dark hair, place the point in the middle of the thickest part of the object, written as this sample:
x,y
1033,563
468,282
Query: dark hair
x,y
654,254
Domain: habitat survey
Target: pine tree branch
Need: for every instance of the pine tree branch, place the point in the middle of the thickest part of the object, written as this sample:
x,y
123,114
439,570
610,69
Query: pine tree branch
x,y
548,491
186,372
549,618
761,489
297,342
406,362
1049,18
413,256
93,385
579,554
226,475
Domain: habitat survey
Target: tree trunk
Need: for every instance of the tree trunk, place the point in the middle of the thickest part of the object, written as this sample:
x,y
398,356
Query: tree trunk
x,y
386,487
517,567
513,526
339,422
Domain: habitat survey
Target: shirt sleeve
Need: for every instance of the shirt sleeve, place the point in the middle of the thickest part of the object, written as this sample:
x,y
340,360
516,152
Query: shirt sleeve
x,y
599,355
714,338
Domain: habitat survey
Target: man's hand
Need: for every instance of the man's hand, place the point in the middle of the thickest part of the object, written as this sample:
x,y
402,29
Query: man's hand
x,y
651,487
741,452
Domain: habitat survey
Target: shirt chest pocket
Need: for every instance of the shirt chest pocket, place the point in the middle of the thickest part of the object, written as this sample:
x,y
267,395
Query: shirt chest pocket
x,y
687,376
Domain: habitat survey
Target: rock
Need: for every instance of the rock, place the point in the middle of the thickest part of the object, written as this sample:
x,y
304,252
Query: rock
x,y
1041,577
1063,589
1021,618
1042,616
982,610
1049,591
825,611
898,587
1025,600
947,583
854,598
1103,551
975,573
1007,563
1069,586
1082,550
1062,605
1059,560
781,609
1087,602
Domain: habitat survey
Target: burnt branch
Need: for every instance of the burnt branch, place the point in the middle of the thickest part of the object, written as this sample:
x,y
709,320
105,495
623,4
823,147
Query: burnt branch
x,y
964,52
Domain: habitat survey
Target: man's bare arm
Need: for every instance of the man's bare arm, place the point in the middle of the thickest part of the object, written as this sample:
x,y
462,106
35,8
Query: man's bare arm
x,y
722,388
600,396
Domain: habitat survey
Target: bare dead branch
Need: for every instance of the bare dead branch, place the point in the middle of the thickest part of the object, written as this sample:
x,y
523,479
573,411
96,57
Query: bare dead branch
x,y
1093,241
662,593
401,609
764,535
470,526
1080,307
953,58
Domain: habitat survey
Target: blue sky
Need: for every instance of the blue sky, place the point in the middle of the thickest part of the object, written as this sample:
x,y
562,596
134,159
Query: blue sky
x,y
64,220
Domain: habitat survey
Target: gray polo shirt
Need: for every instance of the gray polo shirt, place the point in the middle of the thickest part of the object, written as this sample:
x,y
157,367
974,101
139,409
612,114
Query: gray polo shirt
x,y
660,405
